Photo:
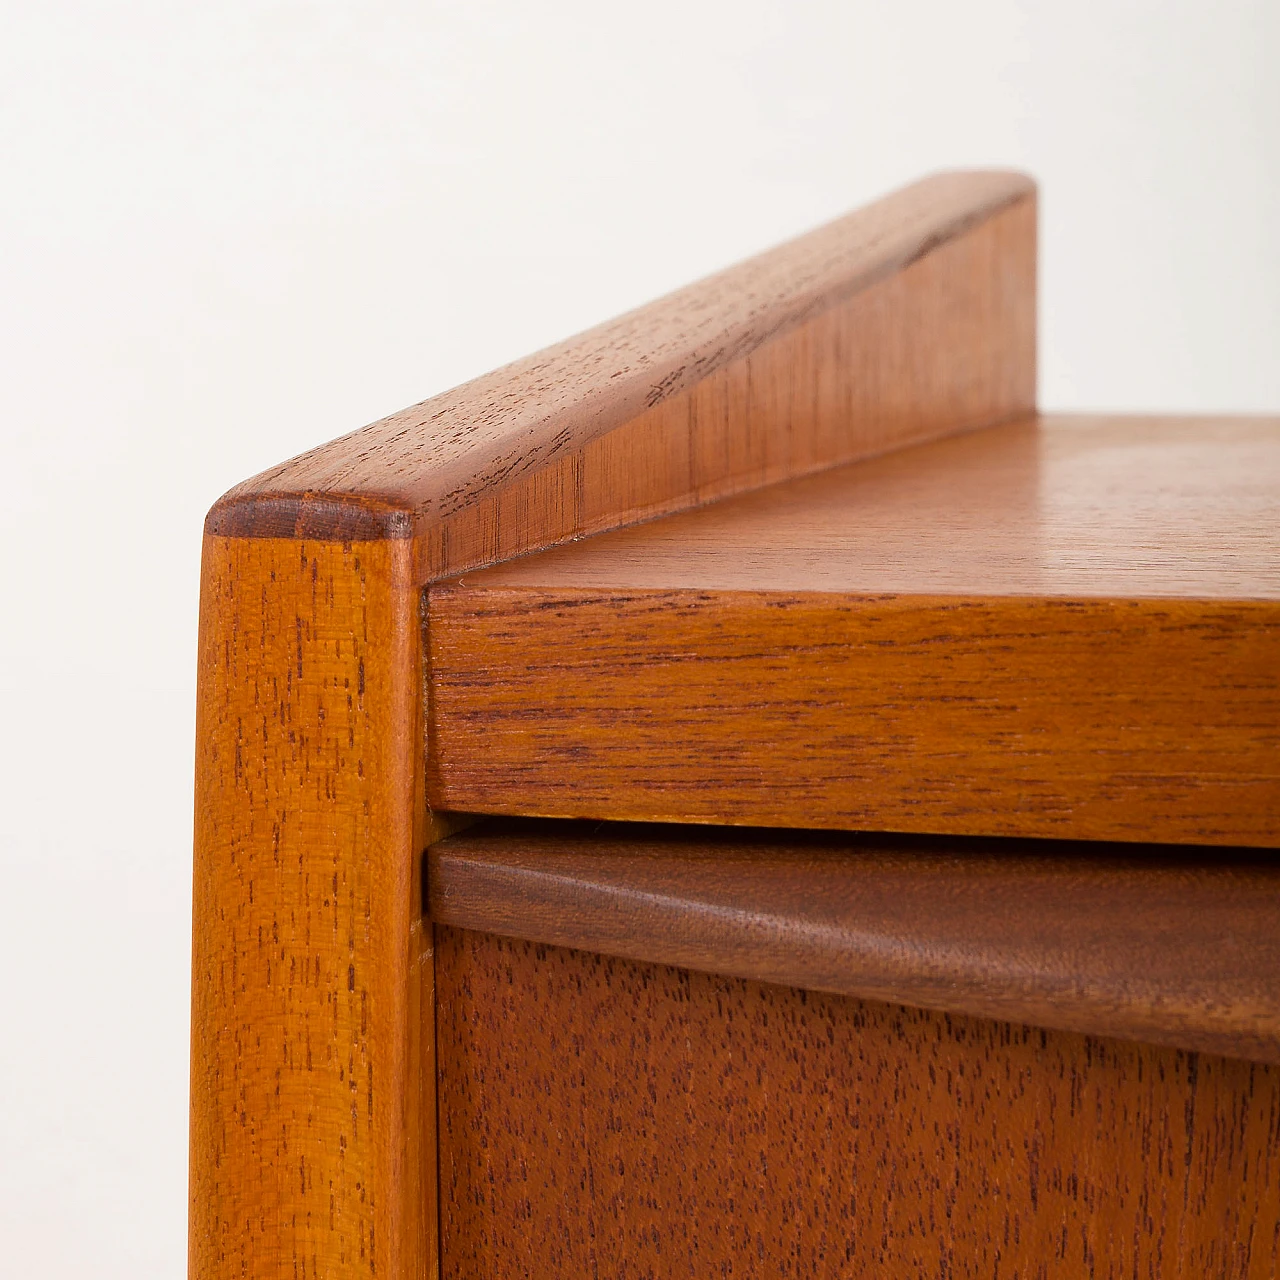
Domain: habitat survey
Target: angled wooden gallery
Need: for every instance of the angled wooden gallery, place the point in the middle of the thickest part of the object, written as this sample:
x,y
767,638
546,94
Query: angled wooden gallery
x,y
739,793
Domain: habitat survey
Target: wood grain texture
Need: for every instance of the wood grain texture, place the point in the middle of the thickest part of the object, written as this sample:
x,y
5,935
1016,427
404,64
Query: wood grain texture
x,y
312,1099
603,1117
910,319
960,639
1160,945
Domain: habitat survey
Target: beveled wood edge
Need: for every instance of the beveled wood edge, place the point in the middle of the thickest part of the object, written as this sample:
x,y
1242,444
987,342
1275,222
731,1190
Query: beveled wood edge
x,y
427,462
1160,945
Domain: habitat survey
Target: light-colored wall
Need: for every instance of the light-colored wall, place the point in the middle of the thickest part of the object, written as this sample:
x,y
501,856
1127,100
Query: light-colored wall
x,y
233,230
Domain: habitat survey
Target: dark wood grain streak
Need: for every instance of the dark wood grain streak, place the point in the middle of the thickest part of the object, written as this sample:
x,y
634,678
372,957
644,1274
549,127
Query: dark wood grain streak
x,y
1171,947
906,320
605,1117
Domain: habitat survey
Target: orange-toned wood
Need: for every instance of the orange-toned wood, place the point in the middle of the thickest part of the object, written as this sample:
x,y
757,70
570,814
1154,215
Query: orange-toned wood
x,y
312,1106
910,319
603,1117
1057,628
1169,946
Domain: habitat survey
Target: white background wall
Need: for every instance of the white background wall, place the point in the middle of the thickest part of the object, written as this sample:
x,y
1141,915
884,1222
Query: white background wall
x,y
233,230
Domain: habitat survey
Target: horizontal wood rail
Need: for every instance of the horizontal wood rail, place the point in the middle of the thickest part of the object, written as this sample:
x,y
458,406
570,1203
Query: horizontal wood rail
x,y
909,319
1172,947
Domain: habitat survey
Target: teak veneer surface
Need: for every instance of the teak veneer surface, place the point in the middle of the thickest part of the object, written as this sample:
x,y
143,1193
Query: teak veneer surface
x,y
1160,945
1059,627
605,1117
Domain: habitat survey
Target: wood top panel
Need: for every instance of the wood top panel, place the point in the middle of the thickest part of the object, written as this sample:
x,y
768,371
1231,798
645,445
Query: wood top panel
x,y
418,469
1059,627
1167,946
1110,506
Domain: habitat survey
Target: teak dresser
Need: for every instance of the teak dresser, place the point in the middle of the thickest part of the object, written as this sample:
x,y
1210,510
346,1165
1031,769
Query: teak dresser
x,y
739,793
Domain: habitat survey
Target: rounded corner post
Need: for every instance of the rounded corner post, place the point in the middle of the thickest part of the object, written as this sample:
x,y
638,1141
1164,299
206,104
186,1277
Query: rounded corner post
x,y
306,1018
